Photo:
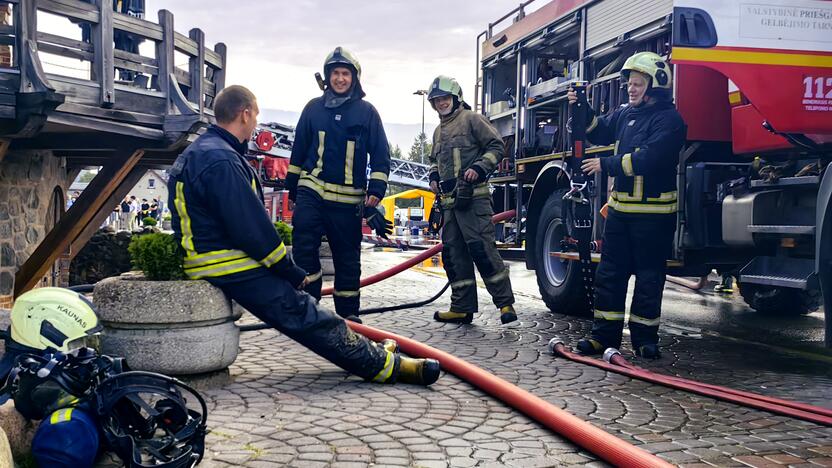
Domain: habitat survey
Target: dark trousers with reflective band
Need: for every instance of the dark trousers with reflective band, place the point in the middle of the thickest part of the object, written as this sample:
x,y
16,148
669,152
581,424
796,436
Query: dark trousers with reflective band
x,y
633,245
468,239
341,223
298,316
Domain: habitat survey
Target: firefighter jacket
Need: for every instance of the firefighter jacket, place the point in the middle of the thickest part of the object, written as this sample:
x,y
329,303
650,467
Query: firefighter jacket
x,y
464,140
331,148
218,216
647,140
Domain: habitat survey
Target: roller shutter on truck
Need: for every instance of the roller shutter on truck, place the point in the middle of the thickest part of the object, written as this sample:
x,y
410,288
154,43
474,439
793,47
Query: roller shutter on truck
x,y
608,19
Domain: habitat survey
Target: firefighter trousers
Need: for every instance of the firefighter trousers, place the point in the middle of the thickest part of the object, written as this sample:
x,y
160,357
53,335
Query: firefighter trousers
x,y
468,240
633,245
298,316
341,224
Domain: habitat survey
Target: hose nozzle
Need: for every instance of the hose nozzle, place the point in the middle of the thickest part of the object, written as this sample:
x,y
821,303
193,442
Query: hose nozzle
x,y
609,353
553,343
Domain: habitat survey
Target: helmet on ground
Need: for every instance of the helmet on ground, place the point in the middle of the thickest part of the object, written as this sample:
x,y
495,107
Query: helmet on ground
x,y
42,384
55,318
68,438
652,65
146,420
342,57
444,86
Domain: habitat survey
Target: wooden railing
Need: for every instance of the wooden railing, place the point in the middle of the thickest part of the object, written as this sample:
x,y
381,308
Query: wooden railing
x,y
168,97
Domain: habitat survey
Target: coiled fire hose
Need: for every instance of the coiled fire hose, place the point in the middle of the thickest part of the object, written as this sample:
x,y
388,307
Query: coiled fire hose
x,y
619,365
606,446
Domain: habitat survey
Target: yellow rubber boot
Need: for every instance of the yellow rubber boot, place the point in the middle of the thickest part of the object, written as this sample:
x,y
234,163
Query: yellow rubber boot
x,y
453,317
418,371
507,314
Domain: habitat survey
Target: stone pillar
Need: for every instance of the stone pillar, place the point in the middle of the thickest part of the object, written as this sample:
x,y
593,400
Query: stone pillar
x,y
5,51
27,180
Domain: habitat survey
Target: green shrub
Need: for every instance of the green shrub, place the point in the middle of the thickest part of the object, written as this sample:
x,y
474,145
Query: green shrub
x,y
158,256
167,217
149,221
285,232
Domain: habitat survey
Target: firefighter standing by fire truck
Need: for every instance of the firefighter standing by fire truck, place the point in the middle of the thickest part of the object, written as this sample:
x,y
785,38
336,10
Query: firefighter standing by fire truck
x,y
327,179
648,134
219,219
466,149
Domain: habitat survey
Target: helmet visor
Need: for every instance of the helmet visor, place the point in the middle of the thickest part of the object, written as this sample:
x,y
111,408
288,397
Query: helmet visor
x,y
87,341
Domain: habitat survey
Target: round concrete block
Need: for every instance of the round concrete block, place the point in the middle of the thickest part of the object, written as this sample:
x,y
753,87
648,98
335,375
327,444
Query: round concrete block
x,y
131,299
170,327
174,351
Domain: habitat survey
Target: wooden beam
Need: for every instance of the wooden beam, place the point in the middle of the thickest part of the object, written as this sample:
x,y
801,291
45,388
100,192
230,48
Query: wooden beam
x,y
79,216
102,42
219,73
105,209
164,56
4,147
197,69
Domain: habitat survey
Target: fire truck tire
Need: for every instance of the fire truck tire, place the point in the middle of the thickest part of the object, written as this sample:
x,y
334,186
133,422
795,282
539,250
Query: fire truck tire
x,y
780,301
560,281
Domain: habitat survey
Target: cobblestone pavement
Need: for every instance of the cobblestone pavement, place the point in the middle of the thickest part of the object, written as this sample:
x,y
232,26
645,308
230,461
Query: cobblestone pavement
x,y
286,406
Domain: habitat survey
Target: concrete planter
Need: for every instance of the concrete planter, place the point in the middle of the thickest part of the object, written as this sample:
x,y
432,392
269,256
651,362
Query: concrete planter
x,y
166,224
171,327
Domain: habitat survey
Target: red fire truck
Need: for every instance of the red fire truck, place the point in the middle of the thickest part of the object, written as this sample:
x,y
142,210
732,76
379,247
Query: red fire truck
x,y
753,81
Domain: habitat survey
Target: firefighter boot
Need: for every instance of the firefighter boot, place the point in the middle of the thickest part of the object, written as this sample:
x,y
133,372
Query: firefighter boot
x,y
453,317
649,351
726,286
417,371
507,314
590,346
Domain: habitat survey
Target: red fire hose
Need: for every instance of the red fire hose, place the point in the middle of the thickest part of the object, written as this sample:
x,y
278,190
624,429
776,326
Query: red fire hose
x,y
604,445
415,260
615,357
817,417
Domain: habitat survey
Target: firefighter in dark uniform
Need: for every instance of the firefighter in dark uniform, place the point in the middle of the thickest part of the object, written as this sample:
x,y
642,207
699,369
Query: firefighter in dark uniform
x,y
219,218
466,149
648,134
328,182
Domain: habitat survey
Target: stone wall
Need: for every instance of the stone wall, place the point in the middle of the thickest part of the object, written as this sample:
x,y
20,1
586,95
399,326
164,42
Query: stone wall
x,y
105,255
28,180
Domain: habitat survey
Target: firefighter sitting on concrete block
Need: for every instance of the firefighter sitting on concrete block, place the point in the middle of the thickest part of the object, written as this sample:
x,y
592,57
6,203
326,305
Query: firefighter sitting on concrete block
x,y
219,218
466,149
648,134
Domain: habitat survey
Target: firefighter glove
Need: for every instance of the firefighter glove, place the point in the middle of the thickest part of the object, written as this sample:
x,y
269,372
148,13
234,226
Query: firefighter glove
x,y
381,225
292,185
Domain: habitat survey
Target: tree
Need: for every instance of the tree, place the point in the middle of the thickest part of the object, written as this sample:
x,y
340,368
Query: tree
x,y
415,153
87,176
396,152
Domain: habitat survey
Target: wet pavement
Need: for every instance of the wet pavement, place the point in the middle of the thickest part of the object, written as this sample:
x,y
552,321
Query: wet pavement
x,y
286,406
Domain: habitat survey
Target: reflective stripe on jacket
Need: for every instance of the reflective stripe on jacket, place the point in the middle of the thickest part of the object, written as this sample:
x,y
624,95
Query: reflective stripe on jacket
x,y
217,212
332,149
647,140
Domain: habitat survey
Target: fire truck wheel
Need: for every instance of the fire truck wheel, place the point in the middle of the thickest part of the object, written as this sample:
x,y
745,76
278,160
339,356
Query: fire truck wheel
x,y
780,301
560,281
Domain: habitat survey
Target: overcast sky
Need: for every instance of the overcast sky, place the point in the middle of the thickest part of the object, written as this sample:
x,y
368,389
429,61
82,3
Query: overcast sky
x,y
275,47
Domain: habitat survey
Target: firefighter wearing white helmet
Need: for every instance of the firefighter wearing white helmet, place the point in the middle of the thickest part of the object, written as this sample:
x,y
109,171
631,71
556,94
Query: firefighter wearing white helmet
x,y
648,134
466,149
